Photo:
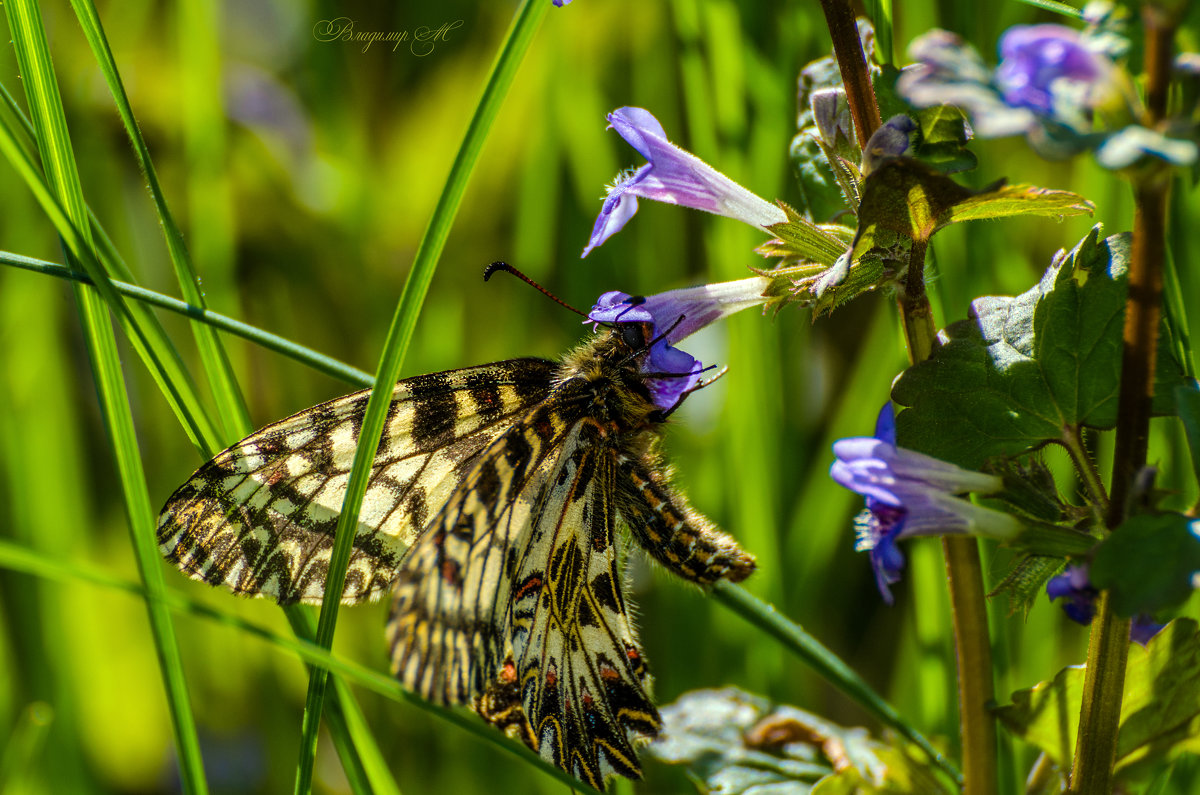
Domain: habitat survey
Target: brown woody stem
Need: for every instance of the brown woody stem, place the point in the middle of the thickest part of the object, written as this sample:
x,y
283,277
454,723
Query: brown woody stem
x,y
847,48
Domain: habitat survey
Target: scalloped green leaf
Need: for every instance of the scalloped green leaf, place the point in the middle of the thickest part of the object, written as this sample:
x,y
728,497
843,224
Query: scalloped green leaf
x,y
1024,371
1148,563
1160,708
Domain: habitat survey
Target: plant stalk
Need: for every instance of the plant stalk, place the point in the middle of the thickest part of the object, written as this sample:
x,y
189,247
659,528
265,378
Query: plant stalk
x,y
964,573
852,62
1108,648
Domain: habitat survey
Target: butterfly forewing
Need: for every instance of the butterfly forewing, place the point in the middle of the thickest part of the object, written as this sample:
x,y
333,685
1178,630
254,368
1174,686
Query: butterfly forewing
x,y
260,517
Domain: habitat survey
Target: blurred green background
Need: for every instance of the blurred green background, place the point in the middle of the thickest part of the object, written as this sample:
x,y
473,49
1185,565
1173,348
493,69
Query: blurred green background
x,y
303,174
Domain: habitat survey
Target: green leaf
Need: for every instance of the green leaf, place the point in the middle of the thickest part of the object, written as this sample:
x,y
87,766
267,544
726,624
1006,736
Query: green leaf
x,y
1160,707
735,743
1025,371
1148,563
943,143
1011,200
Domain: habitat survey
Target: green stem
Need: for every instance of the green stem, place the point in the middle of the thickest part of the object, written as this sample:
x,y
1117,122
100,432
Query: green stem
x,y
964,572
273,342
1086,468
504,69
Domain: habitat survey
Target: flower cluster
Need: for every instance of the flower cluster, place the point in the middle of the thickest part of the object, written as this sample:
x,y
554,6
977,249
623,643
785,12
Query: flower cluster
x,y
1051,85
910,494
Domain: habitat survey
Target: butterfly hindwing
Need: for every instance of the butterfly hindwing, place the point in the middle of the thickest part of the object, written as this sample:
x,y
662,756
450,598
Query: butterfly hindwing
x,y
512,600
582,678
447,629
260,517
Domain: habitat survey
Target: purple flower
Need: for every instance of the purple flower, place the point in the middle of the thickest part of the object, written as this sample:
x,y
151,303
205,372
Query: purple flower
x,y
910,494
1049,82
673,176
1079,596
561,3
675,315
1043,64
1077,593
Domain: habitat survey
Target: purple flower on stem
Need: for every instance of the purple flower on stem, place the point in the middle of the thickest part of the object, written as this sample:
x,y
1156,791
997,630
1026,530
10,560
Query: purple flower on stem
x,y
675,315
910,494
1079,602
561,3
674,176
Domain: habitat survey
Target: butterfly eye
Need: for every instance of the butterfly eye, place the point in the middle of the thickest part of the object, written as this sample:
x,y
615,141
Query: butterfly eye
x,y
633,336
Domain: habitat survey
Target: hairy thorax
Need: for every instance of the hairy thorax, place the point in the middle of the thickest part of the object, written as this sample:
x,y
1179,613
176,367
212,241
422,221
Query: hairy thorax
x,y
607,371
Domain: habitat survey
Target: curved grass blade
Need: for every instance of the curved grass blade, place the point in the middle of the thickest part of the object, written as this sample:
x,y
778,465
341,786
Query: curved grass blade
x,y
231,404
16,557
748,607
516,42
33,57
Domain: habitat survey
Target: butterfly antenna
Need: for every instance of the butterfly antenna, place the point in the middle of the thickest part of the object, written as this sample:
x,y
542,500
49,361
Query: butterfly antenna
x,y
504,266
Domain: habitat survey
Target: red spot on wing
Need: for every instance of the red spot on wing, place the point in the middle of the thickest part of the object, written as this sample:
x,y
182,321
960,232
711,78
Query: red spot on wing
x,y
508,674
452,572
532,584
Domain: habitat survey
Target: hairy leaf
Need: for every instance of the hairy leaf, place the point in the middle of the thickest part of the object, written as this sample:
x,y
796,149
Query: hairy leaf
x,y
735,742
1025,371
1160,709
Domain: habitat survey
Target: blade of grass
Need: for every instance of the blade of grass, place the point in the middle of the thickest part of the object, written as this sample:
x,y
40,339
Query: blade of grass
x,y
33,57
516,42
16,557
318,361
229,398
24,744
147,337
231,405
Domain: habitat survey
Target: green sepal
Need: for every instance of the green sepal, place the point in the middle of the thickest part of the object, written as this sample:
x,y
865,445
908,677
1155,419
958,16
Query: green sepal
x,y
1026,581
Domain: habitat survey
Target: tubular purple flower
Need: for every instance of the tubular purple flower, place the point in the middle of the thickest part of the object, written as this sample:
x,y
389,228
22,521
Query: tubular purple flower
x,y
675,315
674,176
909,494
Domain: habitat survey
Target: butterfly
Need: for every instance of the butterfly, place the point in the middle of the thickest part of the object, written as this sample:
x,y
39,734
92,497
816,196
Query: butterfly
x,y
492,516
